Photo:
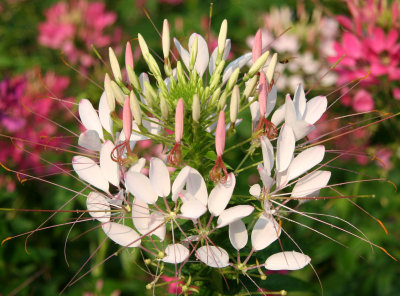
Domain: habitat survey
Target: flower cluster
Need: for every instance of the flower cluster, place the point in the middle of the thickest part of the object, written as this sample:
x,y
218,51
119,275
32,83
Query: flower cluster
x,y
369,54
303,45
75,26
178,213
370,51
24,101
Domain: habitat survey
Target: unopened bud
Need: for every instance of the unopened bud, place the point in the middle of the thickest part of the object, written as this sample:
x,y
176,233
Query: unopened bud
x,y
153,66
179,72
143,46
135,108
179,120
232,79
222,101
235,101
133,79
164,108
193,52
127,118
167,67
114,65
149,93
109,93
215,77
222,37
250,87
257,46
166,42
119,95
128,56
271,68
196,108
257,66
215,96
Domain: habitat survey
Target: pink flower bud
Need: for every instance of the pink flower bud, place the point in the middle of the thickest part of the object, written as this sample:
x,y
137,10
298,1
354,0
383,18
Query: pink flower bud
x,y
128,56
179,121
262,94
127,119
257,46
220,134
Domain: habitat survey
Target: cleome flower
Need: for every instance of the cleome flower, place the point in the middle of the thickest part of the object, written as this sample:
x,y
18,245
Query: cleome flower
x,y
178,209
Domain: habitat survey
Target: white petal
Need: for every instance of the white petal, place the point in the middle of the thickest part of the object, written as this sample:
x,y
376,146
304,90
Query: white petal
x,y
98,207
140,216
238,234
203,56
180,182
175,253
311,183
109,167
221,195
265,232
281,180
137,167
285,148
315,109
305,161
193,209
159,177
301,129
254,110
255,190
233,214
268,154
139,185
90,139
279,115
185,56
196,186
289,260
104,113
238,63
89,117
299,101
214,55
213,256
271,100
291,114
122,234
265,177
90,172
157,225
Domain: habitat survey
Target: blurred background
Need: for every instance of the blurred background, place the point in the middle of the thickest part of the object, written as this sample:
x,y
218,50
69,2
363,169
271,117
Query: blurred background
x,y
49,59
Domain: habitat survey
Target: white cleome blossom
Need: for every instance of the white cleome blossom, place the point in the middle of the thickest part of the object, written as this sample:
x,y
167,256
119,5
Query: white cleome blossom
x,y
183,210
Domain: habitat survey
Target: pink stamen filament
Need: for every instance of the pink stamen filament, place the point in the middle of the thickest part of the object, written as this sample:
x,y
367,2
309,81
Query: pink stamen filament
x,y
219,172
175,155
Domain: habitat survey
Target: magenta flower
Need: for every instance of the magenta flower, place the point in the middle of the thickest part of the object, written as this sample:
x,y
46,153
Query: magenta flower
x,y
362,101
78,22
22,103
370,50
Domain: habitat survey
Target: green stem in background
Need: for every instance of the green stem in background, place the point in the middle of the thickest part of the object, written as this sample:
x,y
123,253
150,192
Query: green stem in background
x,y
242,162
246,168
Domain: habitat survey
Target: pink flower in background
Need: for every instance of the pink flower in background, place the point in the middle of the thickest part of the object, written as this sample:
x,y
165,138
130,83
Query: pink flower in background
x,y
370,49
173,287
363,102
25,106
383,156
305,45
73,24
